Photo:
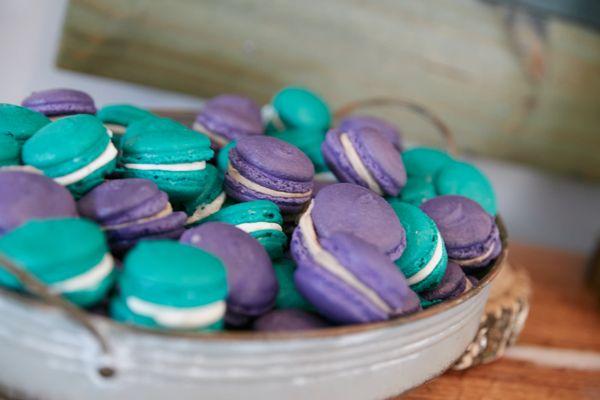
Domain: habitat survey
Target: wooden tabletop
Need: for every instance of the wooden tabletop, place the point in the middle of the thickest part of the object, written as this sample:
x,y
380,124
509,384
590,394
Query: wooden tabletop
x,y
558,353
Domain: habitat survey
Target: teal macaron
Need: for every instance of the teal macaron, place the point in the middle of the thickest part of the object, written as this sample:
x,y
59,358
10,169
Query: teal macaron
x,y
288,296
424,162
223,157
424,260
75,151
210,199
21,122
296,107
10,151
309,142
69,255
464,179
261,219
168,285
167,153
117,117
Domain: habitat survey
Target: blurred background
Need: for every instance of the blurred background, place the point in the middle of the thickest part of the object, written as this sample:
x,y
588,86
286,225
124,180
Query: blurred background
x,y
518,82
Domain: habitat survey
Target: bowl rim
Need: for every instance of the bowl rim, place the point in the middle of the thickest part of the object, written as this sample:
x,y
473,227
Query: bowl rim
x,y
323,333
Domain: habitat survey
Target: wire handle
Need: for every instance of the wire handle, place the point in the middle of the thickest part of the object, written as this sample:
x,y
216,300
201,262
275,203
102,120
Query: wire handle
x,y
419,109
36,287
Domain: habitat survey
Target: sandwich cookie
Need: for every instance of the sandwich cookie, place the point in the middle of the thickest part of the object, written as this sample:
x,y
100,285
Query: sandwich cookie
x,y
471,236
167,285
20,122
288,296
129,210
228,117
344,207
365,157
26,196
10,151
170,155
288,321
266,168
358,122
453,284
58,103
250,276
75,151
348,280
309,142
295,107
424,260
209,200
261,219
68,255
117,117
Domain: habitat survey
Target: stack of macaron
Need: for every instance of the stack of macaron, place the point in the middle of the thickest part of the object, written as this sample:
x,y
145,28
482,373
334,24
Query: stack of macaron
x,y
266,219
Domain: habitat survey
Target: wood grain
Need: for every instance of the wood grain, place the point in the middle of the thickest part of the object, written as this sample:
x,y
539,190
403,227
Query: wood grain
x,y
453,56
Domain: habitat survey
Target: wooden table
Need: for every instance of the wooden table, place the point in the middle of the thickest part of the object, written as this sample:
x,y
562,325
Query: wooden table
x,y
558,353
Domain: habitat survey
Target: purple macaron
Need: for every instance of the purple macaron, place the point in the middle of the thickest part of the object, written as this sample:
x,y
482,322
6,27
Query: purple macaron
x,y
453,284
347,279
56,103
263,167
251,279
344,207
28,195
471,235
365,157
229,117
130,210
289,320
382,126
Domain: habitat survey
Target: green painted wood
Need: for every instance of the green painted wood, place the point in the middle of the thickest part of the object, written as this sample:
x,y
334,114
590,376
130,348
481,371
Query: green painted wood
x,y
454,56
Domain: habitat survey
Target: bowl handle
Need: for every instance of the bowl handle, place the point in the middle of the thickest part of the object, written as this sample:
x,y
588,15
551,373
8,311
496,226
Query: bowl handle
x,y
36,287
381,101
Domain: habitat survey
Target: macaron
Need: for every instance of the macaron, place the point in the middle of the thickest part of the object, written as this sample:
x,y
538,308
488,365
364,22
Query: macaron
x,y
261,219
387,129
250,276
309,142
167,153
347,279
266,168
10,151
171,286
26,196
296,107
75,151
453,284
365,157
288,321
130,210
288,295
69,255
424,260
228,117
58,103
209,200
424,162
471,235
20,122
416,191
465,179
344,207
223,157
117,117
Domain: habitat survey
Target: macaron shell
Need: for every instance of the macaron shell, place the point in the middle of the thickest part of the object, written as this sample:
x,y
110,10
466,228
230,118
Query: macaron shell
x,y
417,191
241,193
10,151
387,129
288,295
20,122
211,188
60,102
223,157
300,108
122,114
172,224
424,162
224,117
452,285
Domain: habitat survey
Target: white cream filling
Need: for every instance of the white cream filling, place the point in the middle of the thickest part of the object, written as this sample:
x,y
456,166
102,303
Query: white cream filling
x,y
182,167
206,210
268,114
431,264
161,214
331,264
476,260
174,317
359,167
115,129
250,227
109,154
234,173
88,280
219,140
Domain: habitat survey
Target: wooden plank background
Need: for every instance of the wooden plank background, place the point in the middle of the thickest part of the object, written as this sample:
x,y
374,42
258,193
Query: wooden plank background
x,y
454,56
